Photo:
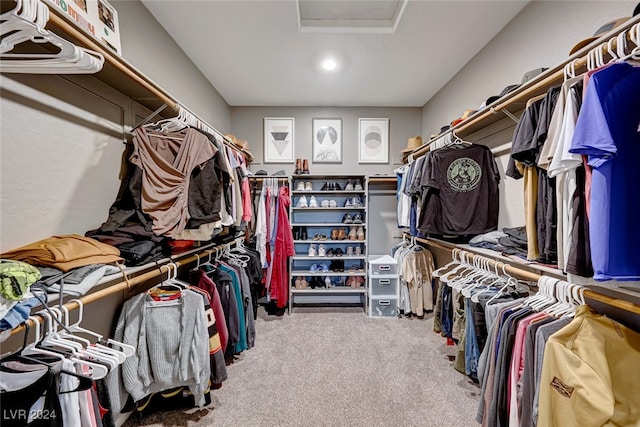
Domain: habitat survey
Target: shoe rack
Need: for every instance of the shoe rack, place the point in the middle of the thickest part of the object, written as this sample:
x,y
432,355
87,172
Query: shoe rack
x,y
329,220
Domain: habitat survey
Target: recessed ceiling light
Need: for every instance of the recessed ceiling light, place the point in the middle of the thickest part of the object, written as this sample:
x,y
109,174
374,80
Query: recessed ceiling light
x,y
329,64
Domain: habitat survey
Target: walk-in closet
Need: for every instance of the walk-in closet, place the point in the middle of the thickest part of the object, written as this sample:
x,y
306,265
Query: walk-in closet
x,y
319,213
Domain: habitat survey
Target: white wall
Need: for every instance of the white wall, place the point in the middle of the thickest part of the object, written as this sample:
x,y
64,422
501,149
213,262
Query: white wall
x,y
247,123
541,35
61,137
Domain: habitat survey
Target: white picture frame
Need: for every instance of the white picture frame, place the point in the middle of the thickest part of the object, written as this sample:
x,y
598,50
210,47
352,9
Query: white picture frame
x,y
373,140
279,140
326,137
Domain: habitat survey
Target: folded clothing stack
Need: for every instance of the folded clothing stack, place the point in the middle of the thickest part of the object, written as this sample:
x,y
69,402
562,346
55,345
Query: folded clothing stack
x,y
65,252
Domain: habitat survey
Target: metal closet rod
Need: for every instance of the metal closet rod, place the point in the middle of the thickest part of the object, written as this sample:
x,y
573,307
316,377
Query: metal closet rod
x,y
127,69
131,283
533,277
579,59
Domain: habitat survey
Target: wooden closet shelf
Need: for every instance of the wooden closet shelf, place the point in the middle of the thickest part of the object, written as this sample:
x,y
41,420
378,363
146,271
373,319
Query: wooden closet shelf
x,y
154,271
515,102
120,74
613,300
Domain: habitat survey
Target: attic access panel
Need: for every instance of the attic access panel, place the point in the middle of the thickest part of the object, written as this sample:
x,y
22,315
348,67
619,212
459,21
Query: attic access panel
x,y
349,16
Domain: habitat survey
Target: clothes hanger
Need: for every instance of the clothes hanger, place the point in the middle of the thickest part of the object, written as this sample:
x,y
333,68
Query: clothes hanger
x,y
454,261
511,281
53,339
127,349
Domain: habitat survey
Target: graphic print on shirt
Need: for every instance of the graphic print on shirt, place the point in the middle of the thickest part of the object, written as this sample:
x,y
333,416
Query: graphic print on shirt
x,y
464,174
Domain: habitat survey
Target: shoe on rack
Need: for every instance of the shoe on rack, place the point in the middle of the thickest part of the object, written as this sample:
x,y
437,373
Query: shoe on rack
x,y
353,233
360,233
324,203
356,203
296,233
313,268
336,186
300,186
322,250
303,283
302,202
305,166
357,218
303,233
298,167
338,252
308,186
348,219
348,203
330,252
323,267
327,282
312,252
297,283
357,250
334,234
349,186
324,187
313,203
333,204
357,186
349,250
342,234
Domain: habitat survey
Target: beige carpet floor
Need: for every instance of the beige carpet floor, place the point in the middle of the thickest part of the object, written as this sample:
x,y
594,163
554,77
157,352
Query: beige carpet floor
x,y
337,367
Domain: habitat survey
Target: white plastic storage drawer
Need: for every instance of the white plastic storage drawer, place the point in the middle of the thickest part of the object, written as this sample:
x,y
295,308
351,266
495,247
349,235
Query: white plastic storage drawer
x,y
383,307
383,265
383,285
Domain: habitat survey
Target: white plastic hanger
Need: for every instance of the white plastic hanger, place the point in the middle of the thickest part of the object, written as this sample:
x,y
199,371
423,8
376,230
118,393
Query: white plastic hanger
x,y
127,349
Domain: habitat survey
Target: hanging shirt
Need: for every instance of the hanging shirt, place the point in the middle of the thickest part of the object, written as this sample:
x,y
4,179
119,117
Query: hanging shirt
x,y
466,180
608,131
167,160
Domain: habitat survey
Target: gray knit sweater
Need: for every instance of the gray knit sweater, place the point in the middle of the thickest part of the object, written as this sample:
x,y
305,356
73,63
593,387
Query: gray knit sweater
x,y
172,348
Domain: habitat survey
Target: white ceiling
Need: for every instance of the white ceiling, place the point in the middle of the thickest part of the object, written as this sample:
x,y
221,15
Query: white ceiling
x,y
255,54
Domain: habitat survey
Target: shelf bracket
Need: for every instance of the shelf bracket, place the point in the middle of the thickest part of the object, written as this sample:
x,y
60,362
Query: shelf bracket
x,y
150,116
511,116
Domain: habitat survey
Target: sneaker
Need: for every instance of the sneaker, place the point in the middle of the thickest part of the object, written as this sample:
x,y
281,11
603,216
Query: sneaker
x,y
332,203
349,186
313,268
356,203
349,250
302,202
323,267
324,204
308,186
338,252
348,203
300,186
330,252
353,233
357,250
360,233
336,186
347,218
312,252
325,187
357,186
313,203
357,218
322,250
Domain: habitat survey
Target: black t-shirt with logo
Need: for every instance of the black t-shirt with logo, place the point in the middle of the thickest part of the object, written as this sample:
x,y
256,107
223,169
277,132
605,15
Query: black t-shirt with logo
x,y
464,180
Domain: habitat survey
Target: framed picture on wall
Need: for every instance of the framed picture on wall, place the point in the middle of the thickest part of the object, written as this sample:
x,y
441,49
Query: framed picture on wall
x,y
373,141
326,136
278,140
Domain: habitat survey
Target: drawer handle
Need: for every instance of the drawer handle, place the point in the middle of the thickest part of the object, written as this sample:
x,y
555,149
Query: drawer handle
x,y
384,281
384,267
384,302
